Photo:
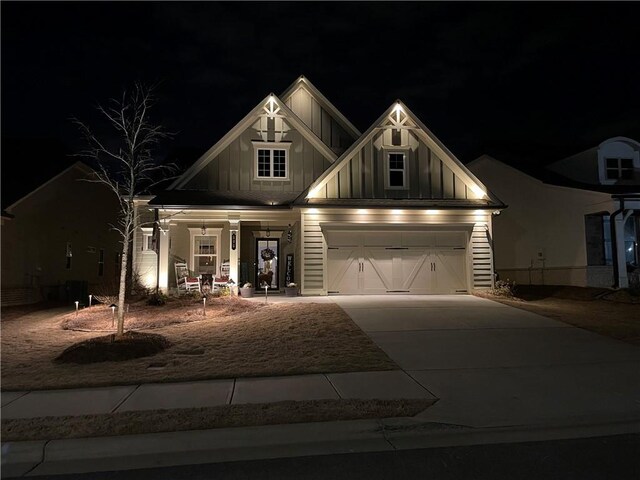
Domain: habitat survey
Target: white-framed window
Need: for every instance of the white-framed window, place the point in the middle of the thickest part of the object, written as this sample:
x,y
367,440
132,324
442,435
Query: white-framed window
x,y
205,251
619,168
272,160
147,239
396,177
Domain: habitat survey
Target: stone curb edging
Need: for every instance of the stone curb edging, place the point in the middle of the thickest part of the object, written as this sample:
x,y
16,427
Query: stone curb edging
x,y
274,441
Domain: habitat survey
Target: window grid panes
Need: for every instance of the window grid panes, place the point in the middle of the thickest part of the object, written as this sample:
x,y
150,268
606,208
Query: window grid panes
x,y
279,163
396,170
264,163
272,163
204,253
619,168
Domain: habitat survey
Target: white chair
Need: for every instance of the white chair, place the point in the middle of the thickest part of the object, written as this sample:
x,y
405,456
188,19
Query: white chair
x,y
184,280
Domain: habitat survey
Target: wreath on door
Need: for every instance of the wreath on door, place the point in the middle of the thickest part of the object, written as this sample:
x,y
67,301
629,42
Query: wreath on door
x,y
267,254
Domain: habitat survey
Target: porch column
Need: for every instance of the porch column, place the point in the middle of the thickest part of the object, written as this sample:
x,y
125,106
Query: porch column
x,y
621,259
234,252
163,260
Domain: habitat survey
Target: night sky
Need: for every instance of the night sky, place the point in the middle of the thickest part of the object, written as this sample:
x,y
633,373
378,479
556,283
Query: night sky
x,y
526,83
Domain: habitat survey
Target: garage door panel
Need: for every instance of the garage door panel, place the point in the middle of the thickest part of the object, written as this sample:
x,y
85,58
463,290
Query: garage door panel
x,y
343,266
377,271
416,271
382,239
450,271
450,239
386,262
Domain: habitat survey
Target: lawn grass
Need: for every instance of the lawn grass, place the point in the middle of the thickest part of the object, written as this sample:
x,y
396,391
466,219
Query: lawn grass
x,y
154,421
591,309
275,339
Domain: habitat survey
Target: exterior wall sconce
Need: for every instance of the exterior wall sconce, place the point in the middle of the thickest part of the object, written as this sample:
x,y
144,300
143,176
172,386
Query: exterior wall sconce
x,y
203,229
289,234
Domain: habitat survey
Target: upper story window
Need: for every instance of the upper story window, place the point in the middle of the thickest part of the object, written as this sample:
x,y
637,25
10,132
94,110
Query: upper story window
x,y
396,170
272,160
619,168
147,239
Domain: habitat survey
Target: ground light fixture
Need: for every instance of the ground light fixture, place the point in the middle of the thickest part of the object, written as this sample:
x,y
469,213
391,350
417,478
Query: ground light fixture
x,y
90,296
113,314
266,296
77,304
204,306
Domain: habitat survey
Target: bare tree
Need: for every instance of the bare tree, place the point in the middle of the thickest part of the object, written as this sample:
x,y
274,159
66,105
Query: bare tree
x,y
125,164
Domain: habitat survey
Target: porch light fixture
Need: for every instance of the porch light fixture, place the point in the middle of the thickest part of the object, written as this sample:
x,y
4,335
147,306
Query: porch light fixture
x,y
203,229
268,232
289,234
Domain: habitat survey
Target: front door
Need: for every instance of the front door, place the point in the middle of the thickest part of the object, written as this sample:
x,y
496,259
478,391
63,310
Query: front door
x,y
267,255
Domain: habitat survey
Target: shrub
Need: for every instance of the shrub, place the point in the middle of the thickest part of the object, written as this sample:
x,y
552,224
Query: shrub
x,y
157,299
504,288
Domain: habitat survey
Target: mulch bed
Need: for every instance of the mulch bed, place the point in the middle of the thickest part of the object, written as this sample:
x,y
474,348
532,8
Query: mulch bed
x,y
99,318
113,348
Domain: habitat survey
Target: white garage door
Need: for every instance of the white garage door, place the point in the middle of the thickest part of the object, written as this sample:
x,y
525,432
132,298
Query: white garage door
x,y
378,262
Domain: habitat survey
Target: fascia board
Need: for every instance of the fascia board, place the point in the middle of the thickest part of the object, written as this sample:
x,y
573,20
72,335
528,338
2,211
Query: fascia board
x,y
304,82
224,142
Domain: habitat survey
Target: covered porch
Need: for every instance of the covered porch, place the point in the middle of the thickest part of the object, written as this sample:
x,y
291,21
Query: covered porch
x,y
234,247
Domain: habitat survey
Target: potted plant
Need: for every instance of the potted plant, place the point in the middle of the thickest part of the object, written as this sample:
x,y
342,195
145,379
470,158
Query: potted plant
x,y
291,290
247,290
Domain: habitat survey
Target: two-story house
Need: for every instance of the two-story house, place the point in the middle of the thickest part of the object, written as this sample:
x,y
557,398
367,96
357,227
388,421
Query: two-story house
x,y
575,223
295,191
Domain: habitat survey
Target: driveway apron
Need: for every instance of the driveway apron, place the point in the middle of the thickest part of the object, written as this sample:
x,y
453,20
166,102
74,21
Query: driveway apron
x,y
494,365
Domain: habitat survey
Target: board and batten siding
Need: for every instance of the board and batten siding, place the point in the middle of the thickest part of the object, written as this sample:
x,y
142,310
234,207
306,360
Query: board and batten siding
x,y
319,120
233,170
314,246
363,175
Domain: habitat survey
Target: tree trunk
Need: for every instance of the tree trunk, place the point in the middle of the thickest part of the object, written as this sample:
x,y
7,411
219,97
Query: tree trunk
x,y
126,239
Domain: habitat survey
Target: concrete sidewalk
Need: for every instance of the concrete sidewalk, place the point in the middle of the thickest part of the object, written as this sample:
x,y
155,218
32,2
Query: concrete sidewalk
x,y
393,384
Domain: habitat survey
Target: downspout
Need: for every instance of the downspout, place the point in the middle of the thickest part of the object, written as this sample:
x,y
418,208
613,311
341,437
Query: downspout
x,y
614,248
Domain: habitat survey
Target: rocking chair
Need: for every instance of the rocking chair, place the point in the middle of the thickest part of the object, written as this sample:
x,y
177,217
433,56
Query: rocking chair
x,y
186,282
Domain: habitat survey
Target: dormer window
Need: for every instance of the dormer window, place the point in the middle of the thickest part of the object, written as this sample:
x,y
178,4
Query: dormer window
x,y
619,168
396,170
272,160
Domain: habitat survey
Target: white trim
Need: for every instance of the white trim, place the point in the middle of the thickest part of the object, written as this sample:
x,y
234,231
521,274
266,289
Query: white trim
x,y
210,232
432,142
245,123
271,146
303,82
147,233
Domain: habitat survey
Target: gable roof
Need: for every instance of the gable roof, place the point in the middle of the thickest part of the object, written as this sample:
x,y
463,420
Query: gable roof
x,y
425,135
245,123
81,166
303,82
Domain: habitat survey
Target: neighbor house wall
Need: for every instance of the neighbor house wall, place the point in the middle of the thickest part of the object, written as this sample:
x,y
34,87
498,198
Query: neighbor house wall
x,y
64,210
540,237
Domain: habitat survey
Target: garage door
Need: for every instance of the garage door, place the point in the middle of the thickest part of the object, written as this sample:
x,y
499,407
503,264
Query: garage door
x,y
379,262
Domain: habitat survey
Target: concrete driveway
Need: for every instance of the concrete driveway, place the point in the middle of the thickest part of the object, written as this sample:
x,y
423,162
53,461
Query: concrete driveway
x,y
494,365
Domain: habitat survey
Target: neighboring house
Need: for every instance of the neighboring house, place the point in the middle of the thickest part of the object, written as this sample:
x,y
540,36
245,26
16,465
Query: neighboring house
x,y
56,240
294,191
577,223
